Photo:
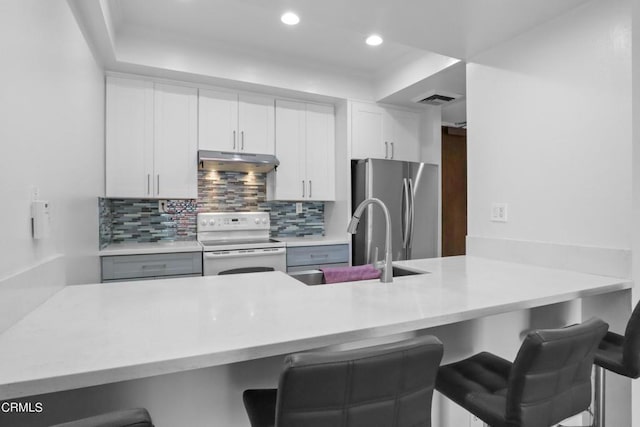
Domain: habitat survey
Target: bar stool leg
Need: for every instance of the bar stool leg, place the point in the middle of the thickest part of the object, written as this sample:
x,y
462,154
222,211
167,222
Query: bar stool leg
x,y
598,398
598,410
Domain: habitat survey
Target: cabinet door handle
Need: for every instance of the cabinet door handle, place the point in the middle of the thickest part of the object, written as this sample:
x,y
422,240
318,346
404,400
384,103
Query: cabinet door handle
x,y
392,150
302,188
148,184
158,186
234,139
242,143
386,150
309,188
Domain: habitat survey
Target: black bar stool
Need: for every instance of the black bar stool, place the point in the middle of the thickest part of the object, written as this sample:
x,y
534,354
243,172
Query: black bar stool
x,y
385,385
126,418
550,379
619,354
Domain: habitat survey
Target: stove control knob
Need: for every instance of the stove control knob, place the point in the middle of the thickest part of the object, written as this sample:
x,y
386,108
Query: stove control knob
x,y
212,221
264,220
203,222
257,220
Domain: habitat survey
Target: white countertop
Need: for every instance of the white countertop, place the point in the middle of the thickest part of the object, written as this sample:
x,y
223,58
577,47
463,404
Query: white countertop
x,y
95,334
312,241
133,248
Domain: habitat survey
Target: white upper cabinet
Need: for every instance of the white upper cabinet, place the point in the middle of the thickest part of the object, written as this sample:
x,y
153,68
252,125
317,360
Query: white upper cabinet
x,y
367,137
218,121
305,147
320,152
237,123
151,140
256,124
129,138
403,134
175,156
384,133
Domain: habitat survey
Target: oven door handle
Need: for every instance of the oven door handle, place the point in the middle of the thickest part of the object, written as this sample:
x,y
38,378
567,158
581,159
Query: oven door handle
x,y
239,254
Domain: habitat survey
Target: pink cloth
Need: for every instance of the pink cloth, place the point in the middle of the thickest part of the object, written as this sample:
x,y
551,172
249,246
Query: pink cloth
x,y
350,274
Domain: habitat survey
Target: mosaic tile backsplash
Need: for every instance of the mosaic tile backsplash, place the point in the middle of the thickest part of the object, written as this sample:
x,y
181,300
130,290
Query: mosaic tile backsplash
x,y
139,220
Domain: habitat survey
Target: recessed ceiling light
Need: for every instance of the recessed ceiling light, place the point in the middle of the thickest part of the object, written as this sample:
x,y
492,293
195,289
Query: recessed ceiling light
x,y
290,18
374,40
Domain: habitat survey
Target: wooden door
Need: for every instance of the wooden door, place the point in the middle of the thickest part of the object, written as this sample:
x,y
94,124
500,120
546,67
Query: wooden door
x,y
454,191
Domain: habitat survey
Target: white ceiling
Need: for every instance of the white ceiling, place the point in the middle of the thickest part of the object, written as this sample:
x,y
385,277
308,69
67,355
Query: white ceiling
x,y
254,26
329,39
333,31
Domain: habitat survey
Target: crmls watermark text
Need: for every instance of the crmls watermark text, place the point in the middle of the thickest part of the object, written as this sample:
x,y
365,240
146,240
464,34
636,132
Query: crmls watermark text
x,y
21,407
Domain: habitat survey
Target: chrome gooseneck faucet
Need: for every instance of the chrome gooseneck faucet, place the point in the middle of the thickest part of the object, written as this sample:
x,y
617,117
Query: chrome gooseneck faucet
x,y
387,269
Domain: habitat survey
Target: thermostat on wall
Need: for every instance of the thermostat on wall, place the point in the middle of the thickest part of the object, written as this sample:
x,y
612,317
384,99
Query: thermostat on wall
x,y
40,219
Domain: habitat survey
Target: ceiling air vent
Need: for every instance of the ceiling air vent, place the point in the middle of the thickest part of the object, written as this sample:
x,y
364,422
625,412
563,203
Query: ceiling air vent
x,y
437,98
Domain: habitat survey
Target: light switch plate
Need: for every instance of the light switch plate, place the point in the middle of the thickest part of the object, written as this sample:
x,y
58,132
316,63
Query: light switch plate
x,y
499,212
35,193
298,207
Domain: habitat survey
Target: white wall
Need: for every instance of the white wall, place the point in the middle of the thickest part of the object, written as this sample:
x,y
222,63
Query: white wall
x,y
549,132
549,121
636,179
51,137
431,152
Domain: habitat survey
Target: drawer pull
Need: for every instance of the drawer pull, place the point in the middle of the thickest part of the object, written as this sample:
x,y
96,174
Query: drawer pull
x,y
155,266
319,256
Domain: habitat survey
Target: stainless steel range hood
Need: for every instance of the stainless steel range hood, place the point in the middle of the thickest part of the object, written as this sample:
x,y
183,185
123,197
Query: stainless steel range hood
x,y
238,162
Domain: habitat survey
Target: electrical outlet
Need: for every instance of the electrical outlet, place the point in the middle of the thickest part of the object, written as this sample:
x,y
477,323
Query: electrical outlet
x,y
298,207
499,212
162,206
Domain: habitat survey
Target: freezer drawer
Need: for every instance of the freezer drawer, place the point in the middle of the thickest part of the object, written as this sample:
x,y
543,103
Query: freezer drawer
x,y
311,256
150,266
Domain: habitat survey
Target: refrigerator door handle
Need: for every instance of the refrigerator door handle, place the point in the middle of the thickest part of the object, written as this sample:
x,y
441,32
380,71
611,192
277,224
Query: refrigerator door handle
x,y
406,220
411,214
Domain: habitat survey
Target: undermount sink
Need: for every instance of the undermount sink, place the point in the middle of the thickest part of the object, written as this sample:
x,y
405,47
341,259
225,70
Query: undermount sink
x,y
316,277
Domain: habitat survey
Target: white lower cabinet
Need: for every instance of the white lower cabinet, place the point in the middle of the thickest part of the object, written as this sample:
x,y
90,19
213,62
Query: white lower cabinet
x,y
151,140
305,147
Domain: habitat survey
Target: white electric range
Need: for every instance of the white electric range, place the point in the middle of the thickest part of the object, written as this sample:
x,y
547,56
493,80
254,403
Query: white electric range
x,y
239,242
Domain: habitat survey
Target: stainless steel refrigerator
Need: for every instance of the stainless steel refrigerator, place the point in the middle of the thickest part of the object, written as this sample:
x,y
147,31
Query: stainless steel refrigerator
x,y
410,192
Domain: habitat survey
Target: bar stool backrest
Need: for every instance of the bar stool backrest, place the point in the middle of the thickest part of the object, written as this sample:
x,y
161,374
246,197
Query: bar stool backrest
x,y
551,375
385,385
631,346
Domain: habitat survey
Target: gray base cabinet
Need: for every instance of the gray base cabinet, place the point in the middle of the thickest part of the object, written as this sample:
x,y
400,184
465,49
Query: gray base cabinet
x,y
301,258
151,266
